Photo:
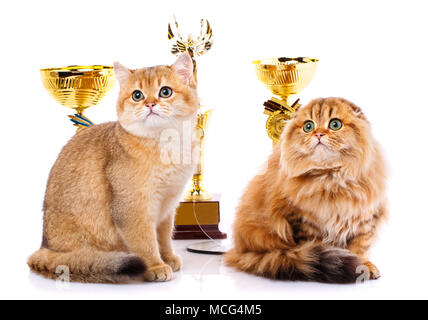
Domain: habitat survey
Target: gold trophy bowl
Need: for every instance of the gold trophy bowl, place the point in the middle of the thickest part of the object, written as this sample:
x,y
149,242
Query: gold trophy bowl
x,y
284,77
78,87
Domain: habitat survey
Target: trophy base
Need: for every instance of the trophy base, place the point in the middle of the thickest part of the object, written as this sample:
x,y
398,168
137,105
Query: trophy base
x,y
192,232
198,219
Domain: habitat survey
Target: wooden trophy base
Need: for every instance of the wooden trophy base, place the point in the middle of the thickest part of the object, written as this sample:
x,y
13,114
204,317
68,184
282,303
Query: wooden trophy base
x,y
198,220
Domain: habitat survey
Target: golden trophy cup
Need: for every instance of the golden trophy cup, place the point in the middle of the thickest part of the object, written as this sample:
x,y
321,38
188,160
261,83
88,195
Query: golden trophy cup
x,y
198,215
284,77
78,87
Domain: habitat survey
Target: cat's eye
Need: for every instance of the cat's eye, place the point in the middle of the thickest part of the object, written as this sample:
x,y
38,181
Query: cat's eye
x,y
137,95
308,126
165,92
335,124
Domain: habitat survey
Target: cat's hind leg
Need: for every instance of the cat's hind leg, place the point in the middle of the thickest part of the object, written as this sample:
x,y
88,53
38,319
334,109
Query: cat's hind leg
x,y
87,265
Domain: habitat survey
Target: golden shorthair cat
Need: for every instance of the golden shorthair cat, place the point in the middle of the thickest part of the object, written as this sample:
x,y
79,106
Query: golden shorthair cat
x,y
111,197
313,214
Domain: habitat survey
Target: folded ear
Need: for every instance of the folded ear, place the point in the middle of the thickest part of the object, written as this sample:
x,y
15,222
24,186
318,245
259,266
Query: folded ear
x,y
183,67
357,110
122,73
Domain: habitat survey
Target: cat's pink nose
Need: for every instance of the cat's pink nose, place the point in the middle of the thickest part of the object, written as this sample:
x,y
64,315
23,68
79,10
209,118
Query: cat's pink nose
x,y
319,135
150,105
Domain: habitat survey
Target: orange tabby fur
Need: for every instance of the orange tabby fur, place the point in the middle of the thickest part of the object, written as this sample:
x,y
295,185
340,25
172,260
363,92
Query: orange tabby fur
x,y
315,211
111,197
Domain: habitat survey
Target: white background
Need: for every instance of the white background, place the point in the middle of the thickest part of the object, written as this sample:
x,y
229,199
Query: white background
x,y
373,53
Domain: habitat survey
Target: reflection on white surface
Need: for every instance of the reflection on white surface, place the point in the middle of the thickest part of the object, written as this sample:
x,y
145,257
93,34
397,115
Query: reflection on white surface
x,y
203,277
197,264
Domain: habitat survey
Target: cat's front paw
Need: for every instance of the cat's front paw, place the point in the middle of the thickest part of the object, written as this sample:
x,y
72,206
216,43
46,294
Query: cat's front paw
x,y
158,273
173,261
374,271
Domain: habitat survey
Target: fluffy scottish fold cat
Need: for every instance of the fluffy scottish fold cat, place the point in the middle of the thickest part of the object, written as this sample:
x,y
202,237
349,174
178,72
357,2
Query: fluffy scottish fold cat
x,y
112,194
316,210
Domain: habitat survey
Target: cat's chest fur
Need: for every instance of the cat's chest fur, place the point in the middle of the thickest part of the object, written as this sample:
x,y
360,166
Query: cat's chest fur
x,y
336,207
161,177
168,178
174,168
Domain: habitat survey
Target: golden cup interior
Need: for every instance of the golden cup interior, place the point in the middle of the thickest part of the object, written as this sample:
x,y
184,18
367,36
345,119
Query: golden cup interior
x,y
286,76
78,87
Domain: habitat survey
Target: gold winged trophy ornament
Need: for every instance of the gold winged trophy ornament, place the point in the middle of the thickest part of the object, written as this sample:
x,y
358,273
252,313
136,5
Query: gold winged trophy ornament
x,y
198,215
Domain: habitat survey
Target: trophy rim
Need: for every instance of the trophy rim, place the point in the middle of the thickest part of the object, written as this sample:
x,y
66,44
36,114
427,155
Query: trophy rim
x,y
280,63
79,68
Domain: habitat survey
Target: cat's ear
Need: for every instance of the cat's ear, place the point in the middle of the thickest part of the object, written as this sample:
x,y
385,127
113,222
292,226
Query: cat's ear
x,y
183,67
122,73
357,110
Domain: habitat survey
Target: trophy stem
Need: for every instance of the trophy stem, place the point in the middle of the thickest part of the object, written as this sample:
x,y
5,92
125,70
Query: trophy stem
x,y
197,192
79,120
286,100
290,105
79,111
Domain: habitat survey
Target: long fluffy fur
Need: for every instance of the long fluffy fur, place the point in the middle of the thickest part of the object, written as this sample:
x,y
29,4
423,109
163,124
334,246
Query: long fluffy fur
x,y
306,262
315,211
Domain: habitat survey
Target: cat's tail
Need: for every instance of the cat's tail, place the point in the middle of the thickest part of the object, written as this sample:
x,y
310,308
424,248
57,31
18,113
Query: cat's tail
x,y
87,265
307,262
